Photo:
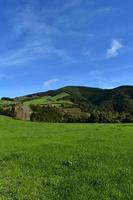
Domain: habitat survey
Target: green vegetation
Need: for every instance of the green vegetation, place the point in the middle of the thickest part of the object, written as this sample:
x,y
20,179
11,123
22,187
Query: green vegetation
x,y
115,100
48,113
73,104
56,100
41,161
6,103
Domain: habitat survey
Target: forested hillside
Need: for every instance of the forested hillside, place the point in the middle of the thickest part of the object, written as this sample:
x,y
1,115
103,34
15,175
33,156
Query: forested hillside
x,y
74,104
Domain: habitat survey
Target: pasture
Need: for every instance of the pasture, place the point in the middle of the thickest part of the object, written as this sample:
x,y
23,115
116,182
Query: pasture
x,y
41,161
56,100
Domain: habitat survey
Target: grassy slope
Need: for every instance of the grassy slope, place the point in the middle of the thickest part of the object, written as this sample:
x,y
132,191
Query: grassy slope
x,y
65,161
48,100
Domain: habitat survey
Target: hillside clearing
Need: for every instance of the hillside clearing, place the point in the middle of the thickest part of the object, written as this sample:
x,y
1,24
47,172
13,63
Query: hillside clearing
x,y
56,100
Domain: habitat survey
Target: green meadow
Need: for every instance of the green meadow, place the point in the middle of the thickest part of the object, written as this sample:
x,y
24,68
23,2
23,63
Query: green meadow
x,y
41,161
56,100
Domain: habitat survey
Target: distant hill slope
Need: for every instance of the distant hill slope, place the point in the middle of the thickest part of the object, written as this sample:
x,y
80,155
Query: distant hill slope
x,y
119,99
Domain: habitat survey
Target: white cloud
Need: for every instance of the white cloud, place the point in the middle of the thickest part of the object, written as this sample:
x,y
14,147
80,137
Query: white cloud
x,y
50,82
114,50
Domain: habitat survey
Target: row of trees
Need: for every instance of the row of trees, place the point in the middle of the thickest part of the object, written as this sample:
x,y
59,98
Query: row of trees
x,y
54,114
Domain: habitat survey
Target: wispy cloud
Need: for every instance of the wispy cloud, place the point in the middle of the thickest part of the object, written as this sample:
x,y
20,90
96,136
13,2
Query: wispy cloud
x,y
50,82
5,76
114,50
69,5
36,34
29,21
33,52
86,51
29,27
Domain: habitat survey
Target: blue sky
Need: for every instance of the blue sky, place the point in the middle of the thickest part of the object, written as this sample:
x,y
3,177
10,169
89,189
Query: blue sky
x,y
49,44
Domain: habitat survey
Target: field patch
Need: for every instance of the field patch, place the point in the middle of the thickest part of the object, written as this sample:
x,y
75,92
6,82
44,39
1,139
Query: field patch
x,y
56,100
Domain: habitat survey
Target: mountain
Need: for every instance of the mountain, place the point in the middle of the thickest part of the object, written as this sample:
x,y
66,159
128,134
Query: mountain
x,y
119,99
73,104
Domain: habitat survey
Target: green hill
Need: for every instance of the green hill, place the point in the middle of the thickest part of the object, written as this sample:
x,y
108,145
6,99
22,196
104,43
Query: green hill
x,y
119,99
73,104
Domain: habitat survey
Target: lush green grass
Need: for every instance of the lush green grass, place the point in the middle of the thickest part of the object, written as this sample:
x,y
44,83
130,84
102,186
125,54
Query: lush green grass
x,y
65,161
56,100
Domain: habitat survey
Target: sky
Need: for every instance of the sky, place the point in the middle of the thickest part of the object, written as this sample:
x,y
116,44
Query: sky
x,y
46,45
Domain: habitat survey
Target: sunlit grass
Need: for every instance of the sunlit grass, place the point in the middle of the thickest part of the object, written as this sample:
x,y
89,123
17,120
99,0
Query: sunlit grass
x,y
56,100
65,161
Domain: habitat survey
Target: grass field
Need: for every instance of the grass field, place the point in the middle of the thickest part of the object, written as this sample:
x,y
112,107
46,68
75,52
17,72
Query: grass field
x,y
41,161
56,100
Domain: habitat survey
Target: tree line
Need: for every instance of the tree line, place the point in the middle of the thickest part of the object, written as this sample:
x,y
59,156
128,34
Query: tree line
x,y
43,113
55,114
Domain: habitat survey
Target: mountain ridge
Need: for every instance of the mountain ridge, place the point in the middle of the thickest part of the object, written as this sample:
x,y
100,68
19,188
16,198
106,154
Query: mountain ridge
x,y
74,87
73,104
119,99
